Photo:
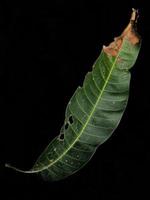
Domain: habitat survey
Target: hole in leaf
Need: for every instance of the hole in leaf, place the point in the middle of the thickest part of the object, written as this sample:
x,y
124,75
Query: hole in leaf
x,y
66,126
61,137
70,119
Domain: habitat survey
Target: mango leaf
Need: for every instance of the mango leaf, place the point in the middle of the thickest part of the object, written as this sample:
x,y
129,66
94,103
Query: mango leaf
x,y
95,109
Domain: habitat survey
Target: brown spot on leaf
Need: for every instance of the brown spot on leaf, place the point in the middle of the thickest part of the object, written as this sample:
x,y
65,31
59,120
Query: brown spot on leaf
x,y
129,33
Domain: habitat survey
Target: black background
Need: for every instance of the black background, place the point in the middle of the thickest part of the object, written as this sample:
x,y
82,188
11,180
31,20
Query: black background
x,y
46,50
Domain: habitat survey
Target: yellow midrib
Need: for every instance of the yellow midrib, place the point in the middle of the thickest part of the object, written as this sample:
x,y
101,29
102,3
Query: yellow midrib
x,y
64,153
93,110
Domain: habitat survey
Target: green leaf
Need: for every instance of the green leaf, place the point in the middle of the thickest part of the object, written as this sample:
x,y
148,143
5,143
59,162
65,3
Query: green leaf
x,y
94,111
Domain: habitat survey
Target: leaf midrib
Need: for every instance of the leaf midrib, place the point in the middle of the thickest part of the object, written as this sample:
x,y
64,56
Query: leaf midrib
x,y
92,112
88,119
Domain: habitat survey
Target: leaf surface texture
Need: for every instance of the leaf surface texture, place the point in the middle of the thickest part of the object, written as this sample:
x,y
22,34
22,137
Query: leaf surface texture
x,y
95,109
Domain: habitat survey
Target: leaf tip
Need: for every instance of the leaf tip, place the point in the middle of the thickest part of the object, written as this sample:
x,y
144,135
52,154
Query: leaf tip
x,y
7,165
130,32
134,15
16,169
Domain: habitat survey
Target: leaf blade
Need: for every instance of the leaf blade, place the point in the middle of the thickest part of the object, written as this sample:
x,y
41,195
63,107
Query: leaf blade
x,y
91,138
94,111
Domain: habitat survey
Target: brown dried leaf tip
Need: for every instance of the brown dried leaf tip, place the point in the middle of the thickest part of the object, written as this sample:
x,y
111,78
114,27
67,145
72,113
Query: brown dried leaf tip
x,y
129,32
